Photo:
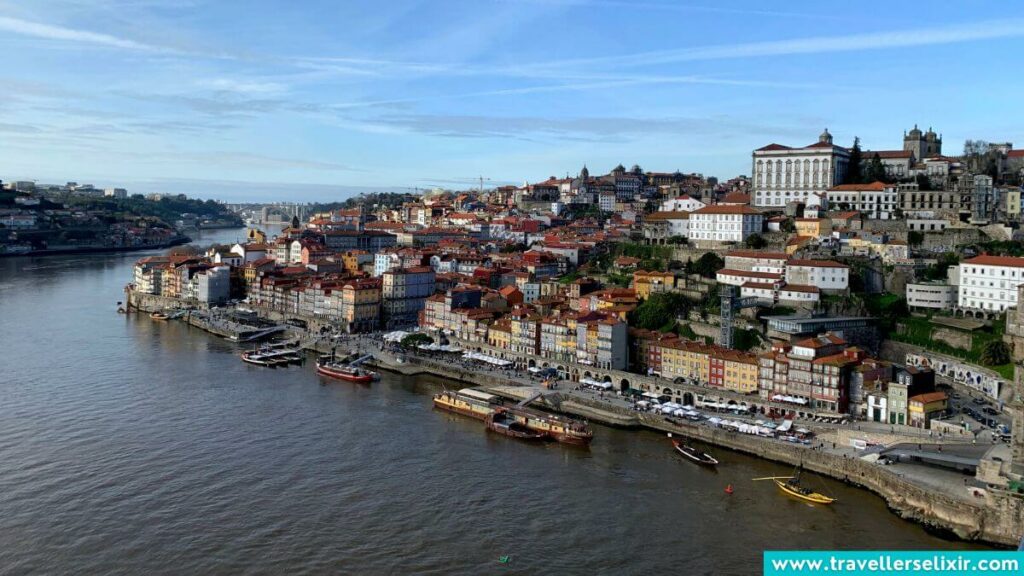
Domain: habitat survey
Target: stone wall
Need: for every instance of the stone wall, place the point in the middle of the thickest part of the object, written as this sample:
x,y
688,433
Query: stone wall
x,y
954,338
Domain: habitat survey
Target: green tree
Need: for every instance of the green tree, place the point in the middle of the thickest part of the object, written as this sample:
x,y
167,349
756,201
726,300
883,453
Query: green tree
x,y
853,172
915,238
708,264
876,170
995,353
755,241
923,182
658,310
787,226
414,340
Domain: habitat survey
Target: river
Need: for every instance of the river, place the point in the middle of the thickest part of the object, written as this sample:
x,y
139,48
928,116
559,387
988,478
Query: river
x,y
130,446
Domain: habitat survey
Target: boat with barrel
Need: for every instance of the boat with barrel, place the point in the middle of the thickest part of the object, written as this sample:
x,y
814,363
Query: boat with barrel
x,y
693,454
160,316
792,486
502,422
559,428
470,402
343,370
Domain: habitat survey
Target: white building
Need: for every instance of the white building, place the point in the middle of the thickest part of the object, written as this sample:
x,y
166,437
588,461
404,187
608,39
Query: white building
x,y
119,193
734,277
931,295
782,174
213,285
989,283
682,203
756,260
606,201
877,200
721,223
825,274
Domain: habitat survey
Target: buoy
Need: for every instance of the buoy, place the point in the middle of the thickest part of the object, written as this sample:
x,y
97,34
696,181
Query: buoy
x,y
728,489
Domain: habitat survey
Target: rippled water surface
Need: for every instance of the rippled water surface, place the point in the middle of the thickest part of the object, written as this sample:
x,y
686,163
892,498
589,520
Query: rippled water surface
x,y
129,446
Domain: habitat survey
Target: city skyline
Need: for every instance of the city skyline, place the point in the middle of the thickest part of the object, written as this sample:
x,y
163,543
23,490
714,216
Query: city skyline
x,y
333,100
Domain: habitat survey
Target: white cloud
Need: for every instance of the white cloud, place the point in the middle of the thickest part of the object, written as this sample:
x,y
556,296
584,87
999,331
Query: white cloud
x,y
50,32
243,86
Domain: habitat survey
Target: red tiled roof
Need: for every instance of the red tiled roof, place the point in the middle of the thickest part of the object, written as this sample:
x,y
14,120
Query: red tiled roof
x,y
887,154
822,263
748,274
987,260
928,397
757,254
801,288
726,209
655,216
873,187
1015,154
772,146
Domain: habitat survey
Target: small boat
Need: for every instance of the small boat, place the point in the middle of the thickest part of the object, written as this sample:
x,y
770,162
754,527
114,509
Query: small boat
x,y
158,316
502,423
341,371
791,486
260,359
467,402
694,454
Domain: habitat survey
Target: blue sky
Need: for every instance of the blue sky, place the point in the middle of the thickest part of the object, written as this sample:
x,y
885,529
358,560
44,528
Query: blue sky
x,y
314,100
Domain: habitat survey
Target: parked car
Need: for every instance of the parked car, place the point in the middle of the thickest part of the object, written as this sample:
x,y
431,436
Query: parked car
x,y
979,401
990,411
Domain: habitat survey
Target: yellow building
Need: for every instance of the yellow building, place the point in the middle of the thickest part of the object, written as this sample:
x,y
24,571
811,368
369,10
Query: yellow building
x,y
734,370
360,304
683,359
813,227
647,283
922,408
499,335
257,236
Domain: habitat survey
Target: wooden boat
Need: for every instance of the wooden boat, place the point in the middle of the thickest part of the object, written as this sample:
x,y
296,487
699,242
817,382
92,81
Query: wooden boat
x,y
791,485
345,372
693,454
468,402
559,428
502,422
158,316
259,359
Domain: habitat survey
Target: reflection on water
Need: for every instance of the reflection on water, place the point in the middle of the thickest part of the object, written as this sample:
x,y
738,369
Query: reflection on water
x,y
135,446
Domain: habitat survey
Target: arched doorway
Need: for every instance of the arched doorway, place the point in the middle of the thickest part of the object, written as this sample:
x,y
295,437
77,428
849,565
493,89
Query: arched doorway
x,y
623,385
532,363
687,398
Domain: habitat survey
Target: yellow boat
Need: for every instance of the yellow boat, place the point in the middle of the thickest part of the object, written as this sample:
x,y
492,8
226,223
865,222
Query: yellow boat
x,y
468,402
793,488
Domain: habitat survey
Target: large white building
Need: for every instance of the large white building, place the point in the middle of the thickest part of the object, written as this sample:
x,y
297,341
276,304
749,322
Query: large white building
x,y
782,174
989,283
825,274
725,223
877,200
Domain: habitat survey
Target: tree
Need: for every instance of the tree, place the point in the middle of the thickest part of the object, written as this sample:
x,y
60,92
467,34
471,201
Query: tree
x,y
915,238
708,264
295,221
414,340
755,241
658,310
853,172
995,353
924,183
876,170
787,226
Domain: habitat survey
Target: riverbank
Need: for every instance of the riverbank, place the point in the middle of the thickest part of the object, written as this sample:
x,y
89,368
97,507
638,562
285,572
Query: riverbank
x,y
994,516
98,249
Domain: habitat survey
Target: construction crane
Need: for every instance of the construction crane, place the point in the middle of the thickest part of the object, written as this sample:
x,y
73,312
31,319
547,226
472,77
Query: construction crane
x,y
730,303
482,183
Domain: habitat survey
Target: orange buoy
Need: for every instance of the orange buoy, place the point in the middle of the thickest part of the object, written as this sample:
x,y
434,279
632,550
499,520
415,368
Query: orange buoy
x,y
728,489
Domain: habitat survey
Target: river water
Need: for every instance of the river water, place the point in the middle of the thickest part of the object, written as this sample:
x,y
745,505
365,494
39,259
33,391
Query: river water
x,y
129,446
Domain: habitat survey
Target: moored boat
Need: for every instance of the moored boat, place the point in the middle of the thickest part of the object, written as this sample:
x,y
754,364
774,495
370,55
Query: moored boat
x,y
467,402
259,359
158,316
560,428
341,371
793,488
791,485
693,454
502,422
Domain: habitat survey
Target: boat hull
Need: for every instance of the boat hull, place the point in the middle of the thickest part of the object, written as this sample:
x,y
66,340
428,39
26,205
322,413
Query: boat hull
x,y
338,375
812,497
695,457
571,439
441,405
513,430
